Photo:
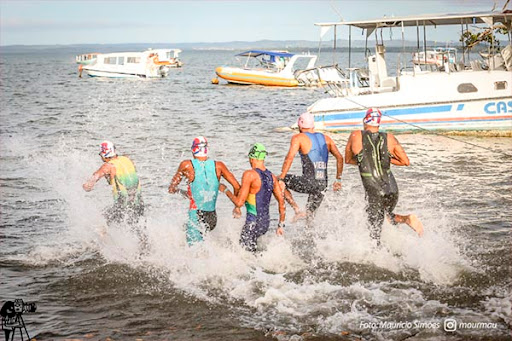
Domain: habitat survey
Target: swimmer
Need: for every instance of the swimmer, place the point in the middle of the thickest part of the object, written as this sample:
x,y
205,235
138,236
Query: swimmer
x,y
374,152
314,149
258,185
203,175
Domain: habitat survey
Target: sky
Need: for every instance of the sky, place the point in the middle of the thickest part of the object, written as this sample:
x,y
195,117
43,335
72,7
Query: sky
x,y
115,22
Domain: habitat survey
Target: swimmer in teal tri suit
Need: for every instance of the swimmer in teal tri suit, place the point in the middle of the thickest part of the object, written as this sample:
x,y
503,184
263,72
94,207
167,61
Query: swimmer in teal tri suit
x,y
258,186
374,152
203,175
314,149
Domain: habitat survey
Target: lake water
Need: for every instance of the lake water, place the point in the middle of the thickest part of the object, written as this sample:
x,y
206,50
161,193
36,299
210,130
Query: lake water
x,y
322,284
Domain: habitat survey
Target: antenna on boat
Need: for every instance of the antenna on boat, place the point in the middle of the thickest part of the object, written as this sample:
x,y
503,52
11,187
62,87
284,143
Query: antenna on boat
x,y
336,10
428,130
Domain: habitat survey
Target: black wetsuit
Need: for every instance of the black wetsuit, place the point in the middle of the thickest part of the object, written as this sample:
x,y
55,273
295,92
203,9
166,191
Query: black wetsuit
x,y
374,163
314,172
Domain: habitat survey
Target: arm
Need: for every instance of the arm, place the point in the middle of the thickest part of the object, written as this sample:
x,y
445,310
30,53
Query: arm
x,y
278,194
399,157
105,170
226,174
247,180
176,179
288,160
349,154
339,162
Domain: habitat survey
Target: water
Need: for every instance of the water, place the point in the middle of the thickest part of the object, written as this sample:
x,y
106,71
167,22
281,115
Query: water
x,y
328,283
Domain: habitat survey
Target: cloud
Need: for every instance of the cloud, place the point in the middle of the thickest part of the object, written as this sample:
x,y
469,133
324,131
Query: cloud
x,y
24,24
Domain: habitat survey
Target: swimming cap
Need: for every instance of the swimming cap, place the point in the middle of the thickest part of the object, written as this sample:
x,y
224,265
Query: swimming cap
x,y
372,118
200,146
258,152
306,120
107,149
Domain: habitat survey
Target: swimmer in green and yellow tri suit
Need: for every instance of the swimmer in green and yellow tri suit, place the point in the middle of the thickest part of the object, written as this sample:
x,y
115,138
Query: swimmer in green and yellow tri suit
x,y
203,175
120,173
374,152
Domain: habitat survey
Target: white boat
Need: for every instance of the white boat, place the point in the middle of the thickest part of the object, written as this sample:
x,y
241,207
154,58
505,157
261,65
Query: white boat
x,y
86,58
272,68
452,97
147,64
438,56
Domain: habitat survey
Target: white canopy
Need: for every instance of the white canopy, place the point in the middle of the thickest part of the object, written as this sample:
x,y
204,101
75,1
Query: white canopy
x,y
489,18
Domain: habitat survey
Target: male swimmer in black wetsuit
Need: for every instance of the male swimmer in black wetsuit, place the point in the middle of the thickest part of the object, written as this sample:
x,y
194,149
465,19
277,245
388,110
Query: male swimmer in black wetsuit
x,y
374,152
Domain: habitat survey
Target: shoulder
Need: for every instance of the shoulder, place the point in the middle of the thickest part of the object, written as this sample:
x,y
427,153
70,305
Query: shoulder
x,y
300,138
249,174
327,138
297,137
219,164
391,137
355,134
107,166
185,164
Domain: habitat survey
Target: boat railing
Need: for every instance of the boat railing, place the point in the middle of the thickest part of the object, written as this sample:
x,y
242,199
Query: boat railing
x,y
336,81
321,76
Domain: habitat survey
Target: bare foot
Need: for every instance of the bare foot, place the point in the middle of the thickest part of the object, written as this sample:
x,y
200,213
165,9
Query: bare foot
x,y
299,215
415,224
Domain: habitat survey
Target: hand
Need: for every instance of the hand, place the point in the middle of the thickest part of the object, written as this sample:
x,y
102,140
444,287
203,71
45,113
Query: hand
x,y
336,186
222,188
279,231
88,186
237,213
282,185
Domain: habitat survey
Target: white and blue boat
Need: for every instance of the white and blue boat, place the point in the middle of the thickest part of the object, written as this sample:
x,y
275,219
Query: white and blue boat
x,y
456,95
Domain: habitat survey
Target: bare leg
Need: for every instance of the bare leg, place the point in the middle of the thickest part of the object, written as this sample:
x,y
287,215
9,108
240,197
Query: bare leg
x,y
410,220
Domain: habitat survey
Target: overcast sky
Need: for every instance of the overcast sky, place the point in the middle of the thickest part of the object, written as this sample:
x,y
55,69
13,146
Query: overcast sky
x,y
111,22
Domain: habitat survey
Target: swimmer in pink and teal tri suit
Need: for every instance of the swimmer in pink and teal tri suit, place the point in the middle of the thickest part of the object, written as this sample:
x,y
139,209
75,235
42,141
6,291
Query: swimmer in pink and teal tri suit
x,y
203,175
258,186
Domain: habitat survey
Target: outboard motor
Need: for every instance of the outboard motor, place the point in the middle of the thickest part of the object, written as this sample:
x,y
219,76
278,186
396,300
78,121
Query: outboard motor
x,y
163,71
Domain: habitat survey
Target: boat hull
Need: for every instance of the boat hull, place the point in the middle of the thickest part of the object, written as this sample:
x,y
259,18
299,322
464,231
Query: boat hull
x,y
435,101
108,74
242,76
484,114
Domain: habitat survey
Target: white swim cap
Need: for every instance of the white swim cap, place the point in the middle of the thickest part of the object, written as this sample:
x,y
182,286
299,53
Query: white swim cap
x,y
107,149
306,120
200,146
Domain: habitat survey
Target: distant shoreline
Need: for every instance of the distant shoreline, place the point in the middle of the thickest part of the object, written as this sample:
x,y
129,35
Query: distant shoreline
x,y
268,44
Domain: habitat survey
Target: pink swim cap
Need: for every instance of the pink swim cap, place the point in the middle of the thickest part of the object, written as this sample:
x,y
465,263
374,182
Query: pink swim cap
x,y
306,120
372,118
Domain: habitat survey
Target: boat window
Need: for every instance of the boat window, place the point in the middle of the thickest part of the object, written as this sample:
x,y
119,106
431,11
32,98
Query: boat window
x,y
120,60
109,60
500,85
466,87
133,60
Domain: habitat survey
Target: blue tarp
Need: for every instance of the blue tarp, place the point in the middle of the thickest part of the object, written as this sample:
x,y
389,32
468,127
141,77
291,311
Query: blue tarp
x,y
256,53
